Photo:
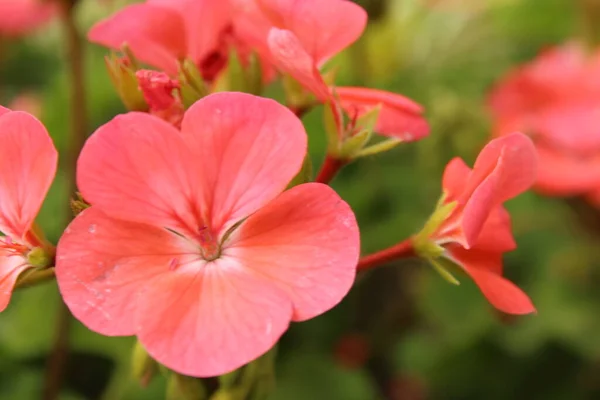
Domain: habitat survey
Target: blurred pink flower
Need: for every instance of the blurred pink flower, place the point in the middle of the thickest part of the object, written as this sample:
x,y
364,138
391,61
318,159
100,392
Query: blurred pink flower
x,y
164,32
28,164
190,243
556,100
20,17
478,232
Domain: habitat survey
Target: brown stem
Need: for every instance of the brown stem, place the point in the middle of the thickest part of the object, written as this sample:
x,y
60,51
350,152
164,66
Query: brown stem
x,y
329,169
78,116
401,250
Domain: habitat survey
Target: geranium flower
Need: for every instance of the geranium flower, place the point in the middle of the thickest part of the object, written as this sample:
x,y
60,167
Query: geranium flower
x,y
28,165
305,34
20,17
475,228
555,99
190,243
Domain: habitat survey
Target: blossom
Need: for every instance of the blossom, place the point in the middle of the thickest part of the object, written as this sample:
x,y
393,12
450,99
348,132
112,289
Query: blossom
x,y
28,165
191,242
475,230
306,34
555,99
164,32
19,17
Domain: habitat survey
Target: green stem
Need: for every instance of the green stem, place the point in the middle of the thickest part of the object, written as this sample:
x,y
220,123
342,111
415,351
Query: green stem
x,y
78,117
35,277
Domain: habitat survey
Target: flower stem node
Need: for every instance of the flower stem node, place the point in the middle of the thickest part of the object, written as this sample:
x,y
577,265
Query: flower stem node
x,y
427,248
39,257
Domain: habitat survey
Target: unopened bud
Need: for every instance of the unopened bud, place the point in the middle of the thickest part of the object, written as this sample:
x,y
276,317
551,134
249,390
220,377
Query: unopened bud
x,y
181,387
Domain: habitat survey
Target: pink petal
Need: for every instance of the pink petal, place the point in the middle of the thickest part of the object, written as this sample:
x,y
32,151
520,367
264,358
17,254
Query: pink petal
x,y
138,168
3,110
306,242
517,152
212,320
19,17
455,178
323,27
103,263
500,292
564,173
11,267
503,169
291,58
155,34
399,117
496,233
28,164
205,23
247,149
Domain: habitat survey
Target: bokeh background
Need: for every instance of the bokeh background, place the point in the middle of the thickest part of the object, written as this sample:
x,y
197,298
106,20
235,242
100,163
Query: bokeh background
x,y
403,333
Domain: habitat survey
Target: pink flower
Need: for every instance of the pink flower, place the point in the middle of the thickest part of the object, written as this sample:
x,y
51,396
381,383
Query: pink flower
x,y
164,32
20,17
305,34
190,243
28,165
477,232
555,100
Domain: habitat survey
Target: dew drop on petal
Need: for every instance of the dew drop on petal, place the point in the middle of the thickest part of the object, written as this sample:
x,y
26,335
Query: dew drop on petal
x,y
92,228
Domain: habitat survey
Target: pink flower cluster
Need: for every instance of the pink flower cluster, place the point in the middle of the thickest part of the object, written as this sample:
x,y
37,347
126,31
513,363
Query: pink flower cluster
x,y
198,239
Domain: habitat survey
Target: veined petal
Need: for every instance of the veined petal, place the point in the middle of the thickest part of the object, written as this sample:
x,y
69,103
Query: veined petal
x,y
138,168
102,264
247,148
291,58
306,242
399,117
485,269
11,267
213,321
28,164
323,27
155,34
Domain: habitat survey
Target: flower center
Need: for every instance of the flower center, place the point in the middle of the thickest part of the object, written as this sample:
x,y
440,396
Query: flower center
x,y
12,248
209,245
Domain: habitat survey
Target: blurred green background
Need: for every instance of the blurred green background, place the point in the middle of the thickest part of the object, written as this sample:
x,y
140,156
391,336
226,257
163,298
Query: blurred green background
x,y
403,333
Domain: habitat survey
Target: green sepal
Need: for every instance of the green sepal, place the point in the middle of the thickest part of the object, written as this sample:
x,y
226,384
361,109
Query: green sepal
x,y
304,175
181,387
380,147
125,82
143,367
438,265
